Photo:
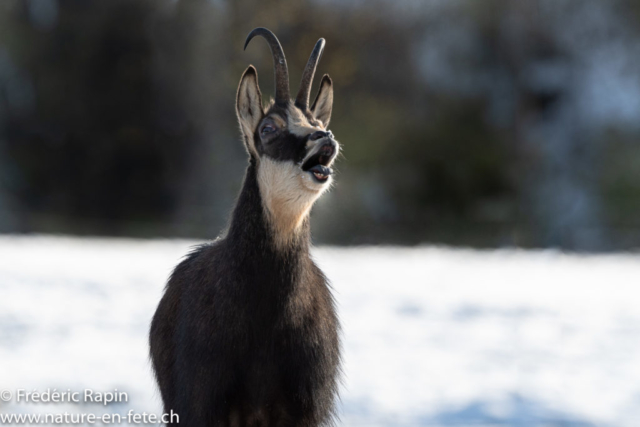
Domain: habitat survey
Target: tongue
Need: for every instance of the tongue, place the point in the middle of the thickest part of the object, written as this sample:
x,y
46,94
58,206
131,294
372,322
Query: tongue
x,y
322,170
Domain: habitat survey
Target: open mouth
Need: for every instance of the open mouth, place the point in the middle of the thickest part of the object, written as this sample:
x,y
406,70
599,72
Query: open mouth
x,y
317,165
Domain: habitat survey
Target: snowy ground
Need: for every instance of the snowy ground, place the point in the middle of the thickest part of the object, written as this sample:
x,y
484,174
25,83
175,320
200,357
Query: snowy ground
x,y
432,336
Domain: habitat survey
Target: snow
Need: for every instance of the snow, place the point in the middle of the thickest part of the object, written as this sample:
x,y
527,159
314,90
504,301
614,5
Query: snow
x,y
432,336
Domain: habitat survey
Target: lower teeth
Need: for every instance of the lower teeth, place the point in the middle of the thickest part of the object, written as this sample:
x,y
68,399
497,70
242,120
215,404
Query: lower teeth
x,y
319,176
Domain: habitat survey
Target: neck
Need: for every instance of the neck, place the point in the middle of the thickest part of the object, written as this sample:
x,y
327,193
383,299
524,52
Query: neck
x,y
259,225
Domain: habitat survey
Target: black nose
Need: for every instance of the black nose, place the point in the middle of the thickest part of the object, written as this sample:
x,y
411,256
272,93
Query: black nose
x,y
318,135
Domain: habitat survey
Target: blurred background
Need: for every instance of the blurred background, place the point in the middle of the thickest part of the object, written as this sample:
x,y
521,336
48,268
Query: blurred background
x,y
491,124
511,129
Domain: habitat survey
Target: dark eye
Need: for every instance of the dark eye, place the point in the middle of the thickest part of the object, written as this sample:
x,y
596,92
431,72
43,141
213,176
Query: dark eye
x,y
267,129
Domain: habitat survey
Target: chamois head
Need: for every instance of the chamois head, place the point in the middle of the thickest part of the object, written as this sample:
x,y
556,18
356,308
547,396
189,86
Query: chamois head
x,y
288,141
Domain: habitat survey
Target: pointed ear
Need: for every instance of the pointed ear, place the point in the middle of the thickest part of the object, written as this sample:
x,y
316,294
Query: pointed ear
x,y
321,108
249,107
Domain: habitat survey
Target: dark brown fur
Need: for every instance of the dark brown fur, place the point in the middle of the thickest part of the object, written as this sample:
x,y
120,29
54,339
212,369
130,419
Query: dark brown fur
x,y
246,333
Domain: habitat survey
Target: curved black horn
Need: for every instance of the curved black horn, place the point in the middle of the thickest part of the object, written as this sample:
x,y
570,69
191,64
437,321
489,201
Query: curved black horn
x,y
302,100
279,63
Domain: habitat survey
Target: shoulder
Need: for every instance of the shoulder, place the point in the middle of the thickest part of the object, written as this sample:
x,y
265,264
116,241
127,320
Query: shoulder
x,y
203,256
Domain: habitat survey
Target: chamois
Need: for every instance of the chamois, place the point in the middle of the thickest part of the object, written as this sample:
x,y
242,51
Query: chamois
x,y
246,333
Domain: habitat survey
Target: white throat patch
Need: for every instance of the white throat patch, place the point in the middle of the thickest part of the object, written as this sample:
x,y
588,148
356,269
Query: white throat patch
x,y
288,193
